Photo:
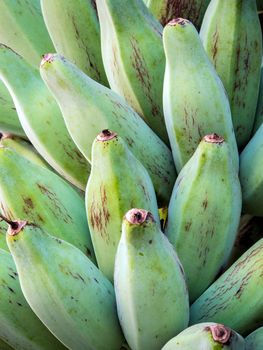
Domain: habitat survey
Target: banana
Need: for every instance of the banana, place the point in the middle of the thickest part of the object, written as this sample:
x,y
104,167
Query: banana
x,y
232,38
151,293
259,111
194,99
20,327
39,195
65,289
254,341
251,175
235,298
3,229
41,118
133,57
166,10
89,107
23,29
206,336
112,190
74,28
204,213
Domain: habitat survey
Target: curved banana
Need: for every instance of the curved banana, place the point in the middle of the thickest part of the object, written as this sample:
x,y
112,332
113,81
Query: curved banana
x,y
133,57
206,336
40,196
254,341
41,118
89,107
65,289
112,190
151,293
204,213
74,29
194,99
232,38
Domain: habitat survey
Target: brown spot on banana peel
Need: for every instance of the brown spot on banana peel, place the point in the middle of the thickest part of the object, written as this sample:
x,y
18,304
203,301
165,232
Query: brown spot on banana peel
x,y
220,333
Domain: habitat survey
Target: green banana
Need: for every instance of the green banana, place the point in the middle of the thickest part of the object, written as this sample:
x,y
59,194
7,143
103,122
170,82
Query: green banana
x,y
20,328
254,341
206,336
194,99
74,28
5,346
39,195
259,111
166,10
23,29
65,290
151,293
232,38
235,298
89,107
133,57
41,118
3,229
112,190
204,213
251,175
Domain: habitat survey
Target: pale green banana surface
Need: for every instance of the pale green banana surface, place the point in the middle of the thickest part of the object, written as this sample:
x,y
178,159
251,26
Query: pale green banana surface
x,y
3,229
75,31
89,107
20,327
195,102
41,118
66,290
235,298
206,336
232,38
254,341
151,293
204,213
31,192
117,183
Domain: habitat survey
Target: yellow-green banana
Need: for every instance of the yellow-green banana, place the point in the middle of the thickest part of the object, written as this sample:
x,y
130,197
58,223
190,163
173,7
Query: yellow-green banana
x,y
204,213
65,289
89,107
151,293
254,341
195,102
232,38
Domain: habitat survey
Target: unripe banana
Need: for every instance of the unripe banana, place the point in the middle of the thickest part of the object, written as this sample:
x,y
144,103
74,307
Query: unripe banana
x,y
204,213
41,118
259,111
166,10
235,298
206,336
254,341
151,293
118,181
20,328
232,38
3,229
39,195
133,57
74,29
89,107
65,290
195,103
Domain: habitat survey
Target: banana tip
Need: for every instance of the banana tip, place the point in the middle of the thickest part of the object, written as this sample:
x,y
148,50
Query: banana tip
x,y
106,135
47,58
213,138
138,216
220,333
178,21
15,227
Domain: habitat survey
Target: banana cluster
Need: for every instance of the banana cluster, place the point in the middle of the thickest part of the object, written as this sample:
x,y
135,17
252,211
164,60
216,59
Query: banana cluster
x,y
131,175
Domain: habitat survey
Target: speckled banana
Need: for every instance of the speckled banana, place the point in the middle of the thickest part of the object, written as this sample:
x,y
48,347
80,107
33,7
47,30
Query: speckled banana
x,y
235,298
3,229
151,293
204,213
20,328
89,107
206,336
41,118
166,10
254,341
41,196
251,175
133,57
74,29
259,111
65,289
195,103
231,35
